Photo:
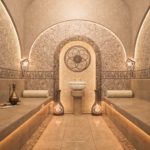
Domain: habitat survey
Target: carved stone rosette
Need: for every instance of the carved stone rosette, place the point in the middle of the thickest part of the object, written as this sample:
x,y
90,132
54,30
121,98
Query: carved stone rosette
x,y
77,58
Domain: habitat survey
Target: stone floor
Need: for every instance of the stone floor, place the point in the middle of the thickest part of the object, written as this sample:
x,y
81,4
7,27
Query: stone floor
x,y
83,132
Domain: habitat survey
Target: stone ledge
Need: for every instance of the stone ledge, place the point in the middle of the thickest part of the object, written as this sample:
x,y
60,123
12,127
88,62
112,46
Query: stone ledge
x,y
139,138
12,118
134,109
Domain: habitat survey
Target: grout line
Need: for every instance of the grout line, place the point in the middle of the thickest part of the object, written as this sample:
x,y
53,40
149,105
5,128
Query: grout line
x,y
62,141
90,123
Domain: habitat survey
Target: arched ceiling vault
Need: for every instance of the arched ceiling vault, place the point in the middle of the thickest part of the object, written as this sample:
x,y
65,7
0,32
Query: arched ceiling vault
x,y
113,14
123,17
142,51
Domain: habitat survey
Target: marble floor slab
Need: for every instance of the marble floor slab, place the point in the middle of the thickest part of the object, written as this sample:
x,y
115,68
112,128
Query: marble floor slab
x,y
77,132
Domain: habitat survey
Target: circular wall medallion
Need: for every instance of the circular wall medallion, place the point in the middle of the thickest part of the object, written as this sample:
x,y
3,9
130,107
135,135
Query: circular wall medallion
x,y
77,58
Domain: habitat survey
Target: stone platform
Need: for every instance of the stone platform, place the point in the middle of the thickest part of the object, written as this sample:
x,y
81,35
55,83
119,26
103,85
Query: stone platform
x,y
20,121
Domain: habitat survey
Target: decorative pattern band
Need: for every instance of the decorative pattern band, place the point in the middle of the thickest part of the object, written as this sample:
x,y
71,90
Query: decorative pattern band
x,y
15,74
39,75
10,74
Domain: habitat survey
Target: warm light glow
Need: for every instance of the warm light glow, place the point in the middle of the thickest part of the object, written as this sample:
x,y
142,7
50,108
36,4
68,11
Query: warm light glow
x,y
97,108
132,128
12,33
97,123
58,122
58,108
137,46
22,128
130,62
24,65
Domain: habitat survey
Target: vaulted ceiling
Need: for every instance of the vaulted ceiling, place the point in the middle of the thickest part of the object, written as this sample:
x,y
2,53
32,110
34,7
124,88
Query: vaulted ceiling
x,y
123,17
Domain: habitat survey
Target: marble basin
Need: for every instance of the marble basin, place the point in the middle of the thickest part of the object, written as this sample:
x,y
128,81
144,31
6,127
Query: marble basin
x,y
77,85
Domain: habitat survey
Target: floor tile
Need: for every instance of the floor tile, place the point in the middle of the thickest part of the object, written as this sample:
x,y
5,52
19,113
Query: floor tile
x,y
77,132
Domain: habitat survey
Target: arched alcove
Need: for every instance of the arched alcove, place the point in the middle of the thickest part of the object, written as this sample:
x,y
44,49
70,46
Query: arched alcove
x,y
91,75
112,50
113,55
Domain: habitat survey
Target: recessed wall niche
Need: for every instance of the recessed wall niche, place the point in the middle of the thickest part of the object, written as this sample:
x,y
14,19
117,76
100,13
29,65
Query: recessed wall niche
x,y
88,75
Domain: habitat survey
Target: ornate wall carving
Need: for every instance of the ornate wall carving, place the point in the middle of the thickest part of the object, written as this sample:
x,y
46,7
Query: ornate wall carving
x,y
112,51
77,58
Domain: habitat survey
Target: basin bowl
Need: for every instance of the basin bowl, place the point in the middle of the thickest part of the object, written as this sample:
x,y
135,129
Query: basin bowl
x,y
77,85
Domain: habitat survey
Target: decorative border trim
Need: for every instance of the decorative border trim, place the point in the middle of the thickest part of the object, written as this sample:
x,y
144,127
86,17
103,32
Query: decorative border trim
x,y
9,73
39,75
6,73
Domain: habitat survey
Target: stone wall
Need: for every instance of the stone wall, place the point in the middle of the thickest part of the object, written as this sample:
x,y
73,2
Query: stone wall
x,y
113,55
142,51
17,10
9,43
9,55
113,14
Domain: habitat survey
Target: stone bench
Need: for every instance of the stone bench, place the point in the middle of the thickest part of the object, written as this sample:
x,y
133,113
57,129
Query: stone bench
x,y
134,109
132,117
20,121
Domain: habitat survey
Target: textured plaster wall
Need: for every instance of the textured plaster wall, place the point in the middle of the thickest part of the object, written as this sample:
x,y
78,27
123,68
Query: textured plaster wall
x,y
17,9
138,10
113,14
112,51
142,53
38,84
88,75
141,88
9,44
123,17
113,55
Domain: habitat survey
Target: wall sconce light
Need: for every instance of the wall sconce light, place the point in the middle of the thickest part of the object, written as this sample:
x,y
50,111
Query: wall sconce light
x,y
130,63
24,66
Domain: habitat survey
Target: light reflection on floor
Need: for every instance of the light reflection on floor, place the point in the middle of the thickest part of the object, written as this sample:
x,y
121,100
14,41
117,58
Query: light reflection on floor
x,y
84,132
